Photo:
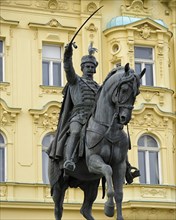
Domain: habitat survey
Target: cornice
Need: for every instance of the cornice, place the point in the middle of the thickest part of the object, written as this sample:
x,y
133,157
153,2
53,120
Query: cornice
x,y
144,106
52,24
9,109
45,108
156,89
8,22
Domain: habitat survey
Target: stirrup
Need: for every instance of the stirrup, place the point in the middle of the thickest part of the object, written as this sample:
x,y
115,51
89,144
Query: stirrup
x,y
69,165
131,175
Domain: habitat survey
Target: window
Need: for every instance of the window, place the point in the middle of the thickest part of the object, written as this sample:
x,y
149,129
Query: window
x,y
144,59
45,144
1,61
148,158
2,158
51,65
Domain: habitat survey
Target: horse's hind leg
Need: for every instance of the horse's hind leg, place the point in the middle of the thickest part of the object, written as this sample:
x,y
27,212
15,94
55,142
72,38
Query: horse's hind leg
x,y
90,193
58,198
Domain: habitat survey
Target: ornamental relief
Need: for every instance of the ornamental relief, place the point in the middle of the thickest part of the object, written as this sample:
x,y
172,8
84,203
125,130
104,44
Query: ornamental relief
x,y
8,115
91,7
153,193
47,119
52,4
3,191
136,8
50,91
149,95
150,120
5,87
41,4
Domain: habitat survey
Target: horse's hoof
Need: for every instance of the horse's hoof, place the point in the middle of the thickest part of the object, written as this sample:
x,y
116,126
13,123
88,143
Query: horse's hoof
x,y
109,209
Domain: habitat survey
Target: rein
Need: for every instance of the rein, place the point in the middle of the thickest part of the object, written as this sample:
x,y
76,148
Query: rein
x,y
129,139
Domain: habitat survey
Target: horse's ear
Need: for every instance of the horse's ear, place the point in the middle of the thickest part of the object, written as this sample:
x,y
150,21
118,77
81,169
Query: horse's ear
x,y
142,73
127,67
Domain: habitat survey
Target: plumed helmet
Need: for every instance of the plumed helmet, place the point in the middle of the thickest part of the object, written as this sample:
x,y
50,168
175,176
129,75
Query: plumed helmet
x,y
90,58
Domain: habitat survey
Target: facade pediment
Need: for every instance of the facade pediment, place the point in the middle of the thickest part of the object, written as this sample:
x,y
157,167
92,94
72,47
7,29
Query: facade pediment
x,y
152,24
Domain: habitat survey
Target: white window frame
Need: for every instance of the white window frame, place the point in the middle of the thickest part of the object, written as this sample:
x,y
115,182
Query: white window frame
x,y
3,145
44,148
51,61
146,151
143,62
2,54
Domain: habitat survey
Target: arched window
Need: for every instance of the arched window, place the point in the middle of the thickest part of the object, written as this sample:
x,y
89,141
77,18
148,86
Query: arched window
x,y
2,158
148,158
45,144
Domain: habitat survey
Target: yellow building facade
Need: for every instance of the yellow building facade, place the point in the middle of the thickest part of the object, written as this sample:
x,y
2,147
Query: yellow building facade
x,y
33,34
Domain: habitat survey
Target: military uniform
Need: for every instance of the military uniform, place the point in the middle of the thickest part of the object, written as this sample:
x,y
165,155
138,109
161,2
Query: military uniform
x,y
82,94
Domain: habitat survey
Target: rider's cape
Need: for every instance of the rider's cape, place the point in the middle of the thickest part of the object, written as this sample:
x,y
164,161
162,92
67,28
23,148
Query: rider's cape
x,y
55,151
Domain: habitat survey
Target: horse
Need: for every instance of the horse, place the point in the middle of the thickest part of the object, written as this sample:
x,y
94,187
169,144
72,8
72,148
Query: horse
x,y
106,146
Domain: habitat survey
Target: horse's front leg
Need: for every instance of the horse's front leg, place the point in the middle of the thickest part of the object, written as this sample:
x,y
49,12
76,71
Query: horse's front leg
x,y
96,165
118,180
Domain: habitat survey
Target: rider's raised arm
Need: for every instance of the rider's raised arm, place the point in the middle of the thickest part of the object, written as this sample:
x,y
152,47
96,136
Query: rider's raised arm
x,y
68,65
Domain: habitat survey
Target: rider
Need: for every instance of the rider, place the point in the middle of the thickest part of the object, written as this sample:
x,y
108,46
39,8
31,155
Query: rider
x,y
82,91
79,99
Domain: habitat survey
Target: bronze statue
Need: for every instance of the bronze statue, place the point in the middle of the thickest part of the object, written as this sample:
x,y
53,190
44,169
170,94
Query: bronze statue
x,y
90,134
90,143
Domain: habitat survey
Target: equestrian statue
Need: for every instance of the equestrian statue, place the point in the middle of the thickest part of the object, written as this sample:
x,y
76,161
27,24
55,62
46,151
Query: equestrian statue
x,y
90,143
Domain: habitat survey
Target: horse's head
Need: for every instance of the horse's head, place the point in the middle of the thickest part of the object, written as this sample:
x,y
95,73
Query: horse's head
x,y
125,92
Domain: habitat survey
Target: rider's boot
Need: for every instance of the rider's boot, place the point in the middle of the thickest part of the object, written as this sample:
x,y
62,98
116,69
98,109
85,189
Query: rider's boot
x,y
129,174
69,151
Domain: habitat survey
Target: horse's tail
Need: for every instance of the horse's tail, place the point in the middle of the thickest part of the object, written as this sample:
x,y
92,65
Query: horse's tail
x,y
103,180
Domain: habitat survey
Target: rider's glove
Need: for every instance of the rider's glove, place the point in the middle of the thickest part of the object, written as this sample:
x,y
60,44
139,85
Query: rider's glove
x,y
68,51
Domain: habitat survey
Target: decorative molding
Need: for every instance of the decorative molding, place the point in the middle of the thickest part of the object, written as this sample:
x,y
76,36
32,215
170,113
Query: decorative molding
x,y
47,193
4,87
24,3
135,9
153,193
149,94
3,191
92,27
46,118
150,119
52,4
8,22
53,23
7,115
50,90
91,7
145,31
